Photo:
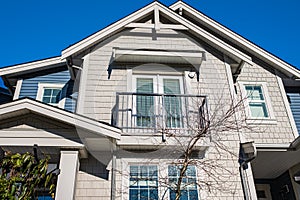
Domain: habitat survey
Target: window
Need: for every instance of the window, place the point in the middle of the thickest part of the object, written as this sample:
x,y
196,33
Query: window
x,y
51,94
143,183
188,185
256,101
150,106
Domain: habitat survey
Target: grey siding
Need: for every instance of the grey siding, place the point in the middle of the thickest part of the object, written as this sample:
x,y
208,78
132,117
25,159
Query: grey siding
x,y
280,130
30,86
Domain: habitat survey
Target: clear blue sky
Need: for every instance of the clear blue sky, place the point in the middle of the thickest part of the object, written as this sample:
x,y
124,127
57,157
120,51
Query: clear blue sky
x,y
32,29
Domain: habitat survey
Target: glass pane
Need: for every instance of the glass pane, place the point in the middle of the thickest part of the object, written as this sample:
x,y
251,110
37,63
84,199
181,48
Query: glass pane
x,y
143,183
144,103
188,185
47,92
171,86
46,99
172,104
56,92
254,93
258,110
153,194
133,194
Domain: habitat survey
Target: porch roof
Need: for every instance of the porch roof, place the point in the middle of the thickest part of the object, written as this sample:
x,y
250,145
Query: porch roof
x,y
28,105
273,160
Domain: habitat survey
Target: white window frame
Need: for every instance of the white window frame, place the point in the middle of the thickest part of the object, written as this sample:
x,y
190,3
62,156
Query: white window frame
x,y
162,170
42,86
260,120
158,86
158,82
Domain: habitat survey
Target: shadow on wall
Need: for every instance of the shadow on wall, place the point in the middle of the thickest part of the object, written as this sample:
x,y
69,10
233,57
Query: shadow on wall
x,y
94,167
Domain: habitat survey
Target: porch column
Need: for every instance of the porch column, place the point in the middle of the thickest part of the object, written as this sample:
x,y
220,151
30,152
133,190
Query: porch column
x,y
69,165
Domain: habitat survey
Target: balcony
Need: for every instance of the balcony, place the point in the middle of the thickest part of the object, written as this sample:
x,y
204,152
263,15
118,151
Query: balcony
x,y
142,113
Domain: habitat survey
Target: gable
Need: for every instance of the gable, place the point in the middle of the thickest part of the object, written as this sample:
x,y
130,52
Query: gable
x,y
160,18
30,129
233,39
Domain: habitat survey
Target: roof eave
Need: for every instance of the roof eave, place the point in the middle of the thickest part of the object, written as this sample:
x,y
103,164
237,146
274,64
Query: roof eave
x,y
239,40
31,66
79,121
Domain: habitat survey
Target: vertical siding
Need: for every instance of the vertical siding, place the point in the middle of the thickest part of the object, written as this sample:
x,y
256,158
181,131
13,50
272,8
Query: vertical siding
x,y
294,99
30,86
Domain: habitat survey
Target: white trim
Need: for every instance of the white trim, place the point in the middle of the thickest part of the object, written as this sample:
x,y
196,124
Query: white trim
x,y
89,41
273,146
60,115
162,26
162,174
234,97
235,38
41,89
156,19
82,85
158,52
129,80
18,89
31,66
258,120
42,142
69,166
287,107
206,36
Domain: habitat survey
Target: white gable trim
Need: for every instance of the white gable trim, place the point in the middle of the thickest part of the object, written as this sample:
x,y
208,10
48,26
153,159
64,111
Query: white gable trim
x,y
61,115
31,66
89,41
237,39
155,6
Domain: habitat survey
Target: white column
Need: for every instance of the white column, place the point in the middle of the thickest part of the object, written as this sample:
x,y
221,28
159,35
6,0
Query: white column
x,y
69,164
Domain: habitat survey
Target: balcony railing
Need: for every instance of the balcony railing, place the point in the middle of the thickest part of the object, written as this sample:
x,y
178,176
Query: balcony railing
x,y
152,113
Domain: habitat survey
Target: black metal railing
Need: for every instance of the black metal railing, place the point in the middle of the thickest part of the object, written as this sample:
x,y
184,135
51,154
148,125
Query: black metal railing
x,y
148,112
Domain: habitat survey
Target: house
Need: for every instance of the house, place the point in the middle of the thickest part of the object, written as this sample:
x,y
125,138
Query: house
x,y
116,110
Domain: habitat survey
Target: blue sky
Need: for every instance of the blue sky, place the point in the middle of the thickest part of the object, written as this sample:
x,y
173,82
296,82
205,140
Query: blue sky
x,y
32,30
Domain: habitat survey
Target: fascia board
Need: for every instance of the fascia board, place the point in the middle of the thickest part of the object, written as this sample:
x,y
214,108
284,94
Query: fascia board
x,y
272,147
42,142
237,39
211,39
30,66
89,41
71,118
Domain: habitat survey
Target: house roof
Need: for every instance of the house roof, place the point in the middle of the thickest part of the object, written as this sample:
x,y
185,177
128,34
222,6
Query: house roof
x,y
236,39
136,16
210,31
32,66
216,40
28,105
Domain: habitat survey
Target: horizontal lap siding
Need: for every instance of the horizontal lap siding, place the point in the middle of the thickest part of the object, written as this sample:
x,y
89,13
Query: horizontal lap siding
x,y
295,107
30,86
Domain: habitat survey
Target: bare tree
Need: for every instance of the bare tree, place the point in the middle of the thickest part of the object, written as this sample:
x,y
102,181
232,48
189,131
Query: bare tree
x,y
202,125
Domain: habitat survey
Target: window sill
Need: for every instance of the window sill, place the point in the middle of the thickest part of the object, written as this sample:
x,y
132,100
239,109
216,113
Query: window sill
x,y
261,121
